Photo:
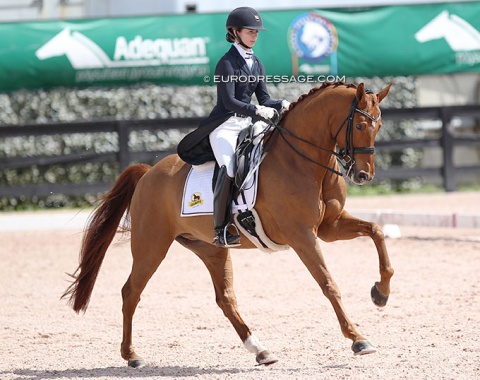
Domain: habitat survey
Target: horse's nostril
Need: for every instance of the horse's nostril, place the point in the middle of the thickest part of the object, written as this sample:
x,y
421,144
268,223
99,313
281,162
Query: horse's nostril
x,y
363,176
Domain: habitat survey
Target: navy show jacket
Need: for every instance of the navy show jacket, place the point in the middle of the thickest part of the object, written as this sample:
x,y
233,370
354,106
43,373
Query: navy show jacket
x,y
236,83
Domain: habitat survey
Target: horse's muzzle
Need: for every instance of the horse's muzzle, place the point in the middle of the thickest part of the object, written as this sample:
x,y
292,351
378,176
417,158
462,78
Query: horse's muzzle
x,y
360,177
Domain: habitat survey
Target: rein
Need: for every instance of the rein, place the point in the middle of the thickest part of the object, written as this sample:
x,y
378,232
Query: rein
x,y
345,156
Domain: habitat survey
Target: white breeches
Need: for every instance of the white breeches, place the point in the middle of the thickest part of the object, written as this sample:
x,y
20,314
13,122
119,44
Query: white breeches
x,y
223,140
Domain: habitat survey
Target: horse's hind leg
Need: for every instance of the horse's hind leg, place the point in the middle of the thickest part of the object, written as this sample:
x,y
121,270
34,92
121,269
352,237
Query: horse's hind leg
x,y
148,252
349,227
219,264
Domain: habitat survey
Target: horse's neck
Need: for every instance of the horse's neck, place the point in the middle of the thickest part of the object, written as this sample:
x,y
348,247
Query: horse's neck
x,y
296,154
301,178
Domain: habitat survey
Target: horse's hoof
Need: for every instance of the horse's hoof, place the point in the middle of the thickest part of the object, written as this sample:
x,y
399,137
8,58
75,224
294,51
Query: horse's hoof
x,y
136,363
363,347
266,358
378,298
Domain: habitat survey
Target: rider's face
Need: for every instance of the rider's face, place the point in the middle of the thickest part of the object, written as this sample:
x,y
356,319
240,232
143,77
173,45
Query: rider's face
x,y
248,36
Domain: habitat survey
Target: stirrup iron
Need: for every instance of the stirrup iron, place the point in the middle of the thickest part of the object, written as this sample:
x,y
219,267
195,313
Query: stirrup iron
x,y
229,240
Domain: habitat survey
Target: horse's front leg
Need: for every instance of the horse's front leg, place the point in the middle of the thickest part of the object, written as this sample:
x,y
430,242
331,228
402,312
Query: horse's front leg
x,y
310,253
348,227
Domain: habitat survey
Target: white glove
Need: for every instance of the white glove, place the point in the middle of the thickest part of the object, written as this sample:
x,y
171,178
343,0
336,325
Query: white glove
x,y
285,104
265,112
258,129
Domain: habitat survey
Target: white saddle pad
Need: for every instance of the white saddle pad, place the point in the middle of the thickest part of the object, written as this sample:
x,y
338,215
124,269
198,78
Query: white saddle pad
x,y
198,193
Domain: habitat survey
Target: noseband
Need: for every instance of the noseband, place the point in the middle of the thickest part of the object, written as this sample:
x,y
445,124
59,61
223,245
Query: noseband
x,y
345,156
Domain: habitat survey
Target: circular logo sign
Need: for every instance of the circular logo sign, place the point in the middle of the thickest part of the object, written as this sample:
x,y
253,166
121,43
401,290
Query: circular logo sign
x,y
312,37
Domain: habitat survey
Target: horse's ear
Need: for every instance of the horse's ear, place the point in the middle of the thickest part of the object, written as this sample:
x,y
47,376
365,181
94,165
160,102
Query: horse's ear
x,y
382,94
361,96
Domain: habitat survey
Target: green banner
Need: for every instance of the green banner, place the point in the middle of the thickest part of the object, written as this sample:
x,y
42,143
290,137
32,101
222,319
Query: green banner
x,y
297,45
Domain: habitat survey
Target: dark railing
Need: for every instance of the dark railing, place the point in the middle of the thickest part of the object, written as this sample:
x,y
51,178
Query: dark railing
x,y
446,140
124,156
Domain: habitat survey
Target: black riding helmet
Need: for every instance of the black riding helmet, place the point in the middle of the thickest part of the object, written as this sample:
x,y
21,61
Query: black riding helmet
x,y
240,18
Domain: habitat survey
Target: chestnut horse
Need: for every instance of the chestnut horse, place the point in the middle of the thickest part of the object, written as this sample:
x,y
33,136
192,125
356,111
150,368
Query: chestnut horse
x,y
301,195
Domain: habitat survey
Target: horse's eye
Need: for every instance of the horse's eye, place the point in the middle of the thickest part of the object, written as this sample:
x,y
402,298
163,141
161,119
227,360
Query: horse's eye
x,y
359,127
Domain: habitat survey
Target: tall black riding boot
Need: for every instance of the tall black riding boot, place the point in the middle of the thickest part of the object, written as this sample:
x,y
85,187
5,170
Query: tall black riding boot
x,y
222,208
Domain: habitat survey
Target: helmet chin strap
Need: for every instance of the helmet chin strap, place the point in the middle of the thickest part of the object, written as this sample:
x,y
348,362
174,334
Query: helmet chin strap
x,y
240,42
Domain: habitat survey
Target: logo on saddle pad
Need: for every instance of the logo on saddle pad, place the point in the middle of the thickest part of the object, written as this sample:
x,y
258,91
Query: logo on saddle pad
x,y
196,200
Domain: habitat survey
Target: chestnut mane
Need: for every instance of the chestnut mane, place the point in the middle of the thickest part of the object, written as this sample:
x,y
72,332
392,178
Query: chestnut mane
x,y
315,90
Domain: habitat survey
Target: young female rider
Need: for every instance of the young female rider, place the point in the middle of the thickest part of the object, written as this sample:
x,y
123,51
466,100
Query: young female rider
x,y
239,74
